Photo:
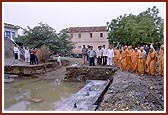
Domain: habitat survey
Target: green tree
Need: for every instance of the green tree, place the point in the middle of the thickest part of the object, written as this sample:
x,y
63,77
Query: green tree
x,y
135,29
44,35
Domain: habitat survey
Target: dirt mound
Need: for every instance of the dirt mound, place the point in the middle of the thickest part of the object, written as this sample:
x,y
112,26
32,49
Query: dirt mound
x,y
130,92
8,49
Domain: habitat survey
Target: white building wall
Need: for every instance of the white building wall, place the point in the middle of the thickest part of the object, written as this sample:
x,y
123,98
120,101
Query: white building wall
x,y
85,39
11,30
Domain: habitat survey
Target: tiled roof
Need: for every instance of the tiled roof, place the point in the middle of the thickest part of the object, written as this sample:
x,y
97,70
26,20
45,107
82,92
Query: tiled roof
x,y
86,29
11,26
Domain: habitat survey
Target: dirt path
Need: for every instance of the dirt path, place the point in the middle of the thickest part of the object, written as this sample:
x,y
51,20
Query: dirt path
x,y
59,74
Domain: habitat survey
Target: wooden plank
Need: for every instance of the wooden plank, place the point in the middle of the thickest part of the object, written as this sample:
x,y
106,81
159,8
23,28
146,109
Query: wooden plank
x,y
87,98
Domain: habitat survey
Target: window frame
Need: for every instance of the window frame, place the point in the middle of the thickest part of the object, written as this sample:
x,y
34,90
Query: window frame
x,y
71,35
8,34
13,35
79,35
101,35
91,35
79,47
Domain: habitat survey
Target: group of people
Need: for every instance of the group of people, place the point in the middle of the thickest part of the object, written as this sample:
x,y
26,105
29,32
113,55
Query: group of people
x,y
138,60
104,56
33,56
29,55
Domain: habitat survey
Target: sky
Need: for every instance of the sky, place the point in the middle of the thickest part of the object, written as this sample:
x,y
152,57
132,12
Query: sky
x,y
61,15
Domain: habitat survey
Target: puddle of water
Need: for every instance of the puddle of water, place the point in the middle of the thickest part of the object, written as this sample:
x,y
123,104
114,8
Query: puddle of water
x,y
53,92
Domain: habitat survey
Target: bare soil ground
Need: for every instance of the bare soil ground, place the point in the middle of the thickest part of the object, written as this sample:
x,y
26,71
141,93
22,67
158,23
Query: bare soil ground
x,y
131,92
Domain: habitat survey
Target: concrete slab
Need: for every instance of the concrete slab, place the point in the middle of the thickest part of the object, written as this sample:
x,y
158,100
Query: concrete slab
x,y
86,99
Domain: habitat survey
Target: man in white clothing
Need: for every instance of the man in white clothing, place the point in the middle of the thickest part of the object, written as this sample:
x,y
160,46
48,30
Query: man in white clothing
x,y
19,53
110,56
104,54
27,55
59,60
16,50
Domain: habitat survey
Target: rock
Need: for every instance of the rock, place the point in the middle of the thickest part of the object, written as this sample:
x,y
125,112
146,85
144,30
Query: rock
x,y
151,88
36,100
10,80
13,76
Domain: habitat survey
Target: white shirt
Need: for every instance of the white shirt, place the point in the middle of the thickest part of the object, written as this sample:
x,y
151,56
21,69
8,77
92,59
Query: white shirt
x,y
104,50
58,59
27,54
99,53
110,53
16,49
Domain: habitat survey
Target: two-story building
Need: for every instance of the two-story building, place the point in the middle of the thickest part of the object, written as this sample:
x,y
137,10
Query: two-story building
x,y
93,36
10,31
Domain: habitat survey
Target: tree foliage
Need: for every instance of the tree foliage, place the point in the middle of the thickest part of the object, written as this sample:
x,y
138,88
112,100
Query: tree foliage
x,y
147,27
44,35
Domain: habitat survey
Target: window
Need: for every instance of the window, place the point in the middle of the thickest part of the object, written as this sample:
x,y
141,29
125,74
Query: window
x,y
13,35
79,35
101,34
91,35
71,35
7,34
79,46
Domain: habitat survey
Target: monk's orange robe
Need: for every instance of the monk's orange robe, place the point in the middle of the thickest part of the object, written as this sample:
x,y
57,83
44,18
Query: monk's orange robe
x,y
151,62
116,56
134,58
123,60
128,58
141,63
161,62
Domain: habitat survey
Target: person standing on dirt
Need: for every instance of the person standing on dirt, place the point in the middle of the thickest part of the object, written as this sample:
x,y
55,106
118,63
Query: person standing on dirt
x,y
110,56
59,60
134,59
92,55
19,52
116,56
161,61
123,61
31,57
141,62
147,50
99,55
88,48
128,58
27,55
104,54
151,62
16,50
35,56
84,54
